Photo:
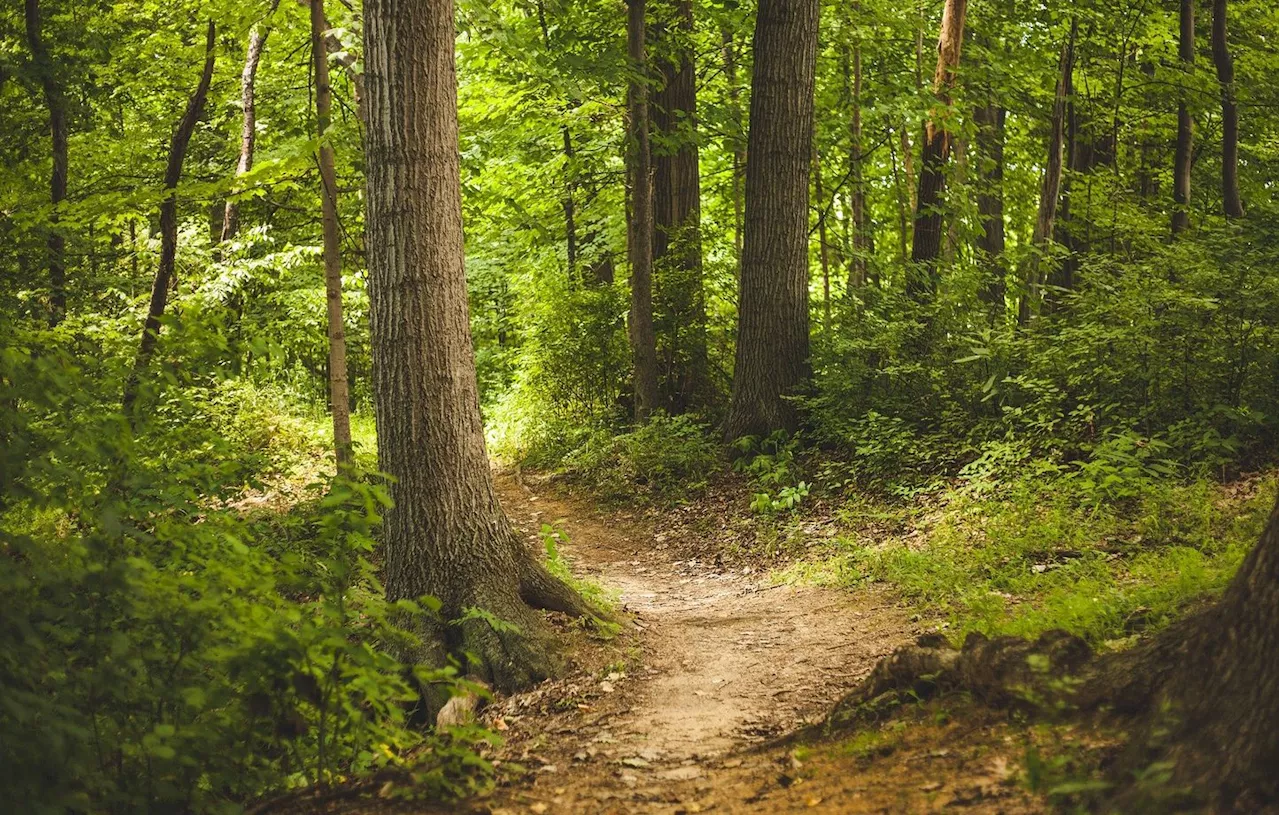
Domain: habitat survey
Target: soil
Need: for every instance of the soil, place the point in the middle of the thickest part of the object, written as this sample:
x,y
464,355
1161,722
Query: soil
x,y
677,713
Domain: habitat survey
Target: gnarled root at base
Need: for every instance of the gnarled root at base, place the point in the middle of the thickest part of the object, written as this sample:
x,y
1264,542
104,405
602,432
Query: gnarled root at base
x,y
494,633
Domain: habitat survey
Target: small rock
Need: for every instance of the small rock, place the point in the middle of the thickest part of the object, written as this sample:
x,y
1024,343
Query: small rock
x,y
538,808
681,774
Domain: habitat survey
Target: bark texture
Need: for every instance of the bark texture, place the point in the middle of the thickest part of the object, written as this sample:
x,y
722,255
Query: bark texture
x,y
446,536
169,224
1182,149
679,302
1231,204
56,104
249,117
644,354
772,359
339,393
926,242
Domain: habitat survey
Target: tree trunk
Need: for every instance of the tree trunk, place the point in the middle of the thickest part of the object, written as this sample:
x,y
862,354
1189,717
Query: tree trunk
x,y
169,226
989,119
644,354
1051,185
446,534
772,358
860,248
54,101
927,236
1182,151
739,155
1231,206
901,196
821,196
677,241
339,395
567,202
249,121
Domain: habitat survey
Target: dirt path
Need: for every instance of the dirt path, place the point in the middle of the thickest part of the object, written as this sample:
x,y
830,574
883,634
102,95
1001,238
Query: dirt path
x,y
725,660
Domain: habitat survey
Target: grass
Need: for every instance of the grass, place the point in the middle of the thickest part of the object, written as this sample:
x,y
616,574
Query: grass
x,y
1038,557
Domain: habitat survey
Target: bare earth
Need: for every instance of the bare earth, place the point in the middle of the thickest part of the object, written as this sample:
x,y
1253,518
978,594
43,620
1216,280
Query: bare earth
x,y
719,662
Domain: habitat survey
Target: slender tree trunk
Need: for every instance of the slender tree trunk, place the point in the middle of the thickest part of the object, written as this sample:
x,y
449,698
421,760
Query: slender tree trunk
x,y
339,395
927,236
908,163
739,155
861,232
1182,151
680,305
990,125
901,195
567,201
644,355
823,258
169,226
1231,206
446,535
1051,185
249,120
772,359
53,99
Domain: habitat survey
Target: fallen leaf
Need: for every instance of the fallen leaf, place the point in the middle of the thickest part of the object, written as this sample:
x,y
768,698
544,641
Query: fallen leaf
x,y
538,808
931,786
813,802
635,761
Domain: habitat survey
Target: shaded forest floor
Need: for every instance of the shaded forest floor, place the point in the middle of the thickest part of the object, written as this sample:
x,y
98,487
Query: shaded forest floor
x,y
676,714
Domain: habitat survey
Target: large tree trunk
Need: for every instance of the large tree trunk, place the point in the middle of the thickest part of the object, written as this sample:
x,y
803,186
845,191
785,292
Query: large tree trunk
x,y
169,225
772,359
1051,185
1231,205
677,241
339,395
926,242
54,101
249,118
989,119
1182,150
644,354
446,535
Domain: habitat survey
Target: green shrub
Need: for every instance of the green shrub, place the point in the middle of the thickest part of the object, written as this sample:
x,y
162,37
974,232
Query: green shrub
x,y
663,457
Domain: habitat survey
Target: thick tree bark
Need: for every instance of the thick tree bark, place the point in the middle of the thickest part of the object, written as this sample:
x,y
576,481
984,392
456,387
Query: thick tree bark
x,y
772,359
644,354
990,125
926,240
169,225
729,48
339,394
1051,184
1231,205
1182,150
446,535
249,117
680,304
53,99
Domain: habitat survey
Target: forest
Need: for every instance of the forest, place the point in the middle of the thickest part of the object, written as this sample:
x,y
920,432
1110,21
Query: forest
x,y
639,406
